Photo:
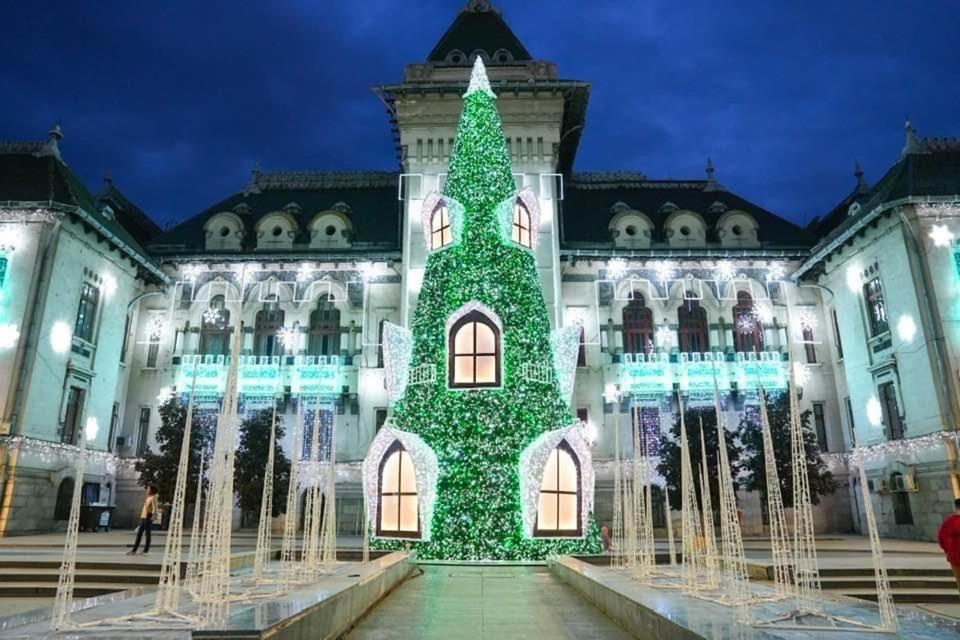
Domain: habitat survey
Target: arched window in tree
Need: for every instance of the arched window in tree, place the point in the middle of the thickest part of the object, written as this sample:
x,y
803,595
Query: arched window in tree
x,y
441,233
474,352
637,326
692,321
215,328
747,328
268,322
558,509
324,339
398,512
61,510
521,224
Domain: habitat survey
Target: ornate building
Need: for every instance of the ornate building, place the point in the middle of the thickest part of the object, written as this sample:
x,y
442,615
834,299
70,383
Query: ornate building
x,y
671,281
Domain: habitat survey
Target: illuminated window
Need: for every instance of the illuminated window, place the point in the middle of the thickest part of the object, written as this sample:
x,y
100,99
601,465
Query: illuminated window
x,y
692,326
86,312
748,329
399,513
876,307
324,337
558,509
474,352
440,232
521,224
637,326
215,331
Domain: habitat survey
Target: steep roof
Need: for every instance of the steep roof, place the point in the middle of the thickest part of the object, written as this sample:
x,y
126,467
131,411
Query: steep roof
x,y
589,199
370,198
34,173
478,26
133,218
821,226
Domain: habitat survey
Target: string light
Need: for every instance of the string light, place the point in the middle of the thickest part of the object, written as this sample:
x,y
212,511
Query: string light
x,y
763,313
566,349
287,336
664,336
61,336
54,453
155,328
896,449
397,350
9,335
191,272
665,270
616,268
801,373
725,271
211,315
776,271
807,319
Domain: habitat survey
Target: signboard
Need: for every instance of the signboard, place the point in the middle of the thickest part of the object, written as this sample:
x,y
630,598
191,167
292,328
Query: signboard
x,y
694,373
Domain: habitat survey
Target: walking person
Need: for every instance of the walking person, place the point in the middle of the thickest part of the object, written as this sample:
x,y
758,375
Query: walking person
x,y
146,520
949,538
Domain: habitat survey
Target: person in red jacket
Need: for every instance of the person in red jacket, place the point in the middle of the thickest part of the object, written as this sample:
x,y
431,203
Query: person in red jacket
x,y
949,537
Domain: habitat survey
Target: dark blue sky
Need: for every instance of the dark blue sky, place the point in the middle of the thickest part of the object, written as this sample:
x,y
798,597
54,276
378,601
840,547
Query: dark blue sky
x,y
179,100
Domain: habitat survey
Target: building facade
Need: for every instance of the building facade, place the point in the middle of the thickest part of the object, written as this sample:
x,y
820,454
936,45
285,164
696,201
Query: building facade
x,y
668,278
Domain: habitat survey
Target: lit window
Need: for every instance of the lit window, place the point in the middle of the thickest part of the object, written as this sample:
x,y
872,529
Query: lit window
x,y
86,312
399,506
521,224
558,510
876,307
637,326
692,329
474,352
441,234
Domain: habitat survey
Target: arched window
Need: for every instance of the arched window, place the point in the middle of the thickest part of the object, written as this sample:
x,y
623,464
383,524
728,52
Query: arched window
x,y
558,510
214,328
637,326
474,352
747,328
399,513
268,322
440,232
61,510
324,329
692,321
902,513
521,224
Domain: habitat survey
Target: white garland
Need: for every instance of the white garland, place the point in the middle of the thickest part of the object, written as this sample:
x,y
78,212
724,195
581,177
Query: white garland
x,y
51,452
425,469
533,461
455,213
479,80
566,346
397,352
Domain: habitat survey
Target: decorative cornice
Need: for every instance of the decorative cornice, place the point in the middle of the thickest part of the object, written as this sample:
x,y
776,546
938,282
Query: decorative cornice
x,y
264,181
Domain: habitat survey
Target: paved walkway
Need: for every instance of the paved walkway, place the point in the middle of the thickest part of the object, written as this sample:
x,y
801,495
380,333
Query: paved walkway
x,y
481,603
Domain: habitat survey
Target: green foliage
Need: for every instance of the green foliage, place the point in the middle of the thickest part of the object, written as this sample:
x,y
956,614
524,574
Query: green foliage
x,y
160,469
478,435
251,458
751,435
669,466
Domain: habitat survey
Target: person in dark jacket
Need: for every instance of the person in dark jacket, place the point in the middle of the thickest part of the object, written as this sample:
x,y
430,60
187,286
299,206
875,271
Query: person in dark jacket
x,y
949,538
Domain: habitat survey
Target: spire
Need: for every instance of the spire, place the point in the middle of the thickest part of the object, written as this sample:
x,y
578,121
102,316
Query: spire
x,y
712,184
911,144
862,185
51,146
478,79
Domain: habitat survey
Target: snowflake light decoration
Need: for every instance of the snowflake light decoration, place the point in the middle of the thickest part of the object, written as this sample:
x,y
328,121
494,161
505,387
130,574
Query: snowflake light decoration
x,y
616,268
725,271
165,394
746,324
762,313
664,336
155,328
801,373
211,315
368,271
664,270
776,271
305,272
941,235
808,319
287,335
191,273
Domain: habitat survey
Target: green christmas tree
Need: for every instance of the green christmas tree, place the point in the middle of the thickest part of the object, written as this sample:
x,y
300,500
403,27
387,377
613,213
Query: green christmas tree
x,y
478,435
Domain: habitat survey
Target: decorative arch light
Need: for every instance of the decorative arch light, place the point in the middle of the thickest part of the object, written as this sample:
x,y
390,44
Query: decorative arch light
x,y
61,336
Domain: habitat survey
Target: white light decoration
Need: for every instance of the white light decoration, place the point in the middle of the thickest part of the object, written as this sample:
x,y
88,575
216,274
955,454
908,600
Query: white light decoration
x,y
566,346
664,336
746,324
906,328
9,335
776,271
807,319
801,373
305,272
368,271
479,80
898,449
109,285
941,235
155,328
874,411
665,270
9,238
854,279
763,313
211,315
90,429
611,393
414,280
58,453
397,351
425,470
61,336
725,271
507,209
591,432
616,268
533,461
287,336
454,214
165,394
192,272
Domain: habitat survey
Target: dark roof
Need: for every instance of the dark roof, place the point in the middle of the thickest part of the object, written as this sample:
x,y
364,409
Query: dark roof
x,y
132,217
478,27
371,200
589,199
32,172
932,170
822,225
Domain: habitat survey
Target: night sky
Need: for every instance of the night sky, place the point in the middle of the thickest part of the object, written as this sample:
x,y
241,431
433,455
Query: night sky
x,y
178,100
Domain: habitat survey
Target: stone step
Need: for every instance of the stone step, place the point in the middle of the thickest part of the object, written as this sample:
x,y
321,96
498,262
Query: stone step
x,y
896,582
83,575
907,596
82,564
893,571
49,589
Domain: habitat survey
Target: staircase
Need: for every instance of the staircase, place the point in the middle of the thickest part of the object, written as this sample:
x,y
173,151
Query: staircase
x,y
32,578
908,586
